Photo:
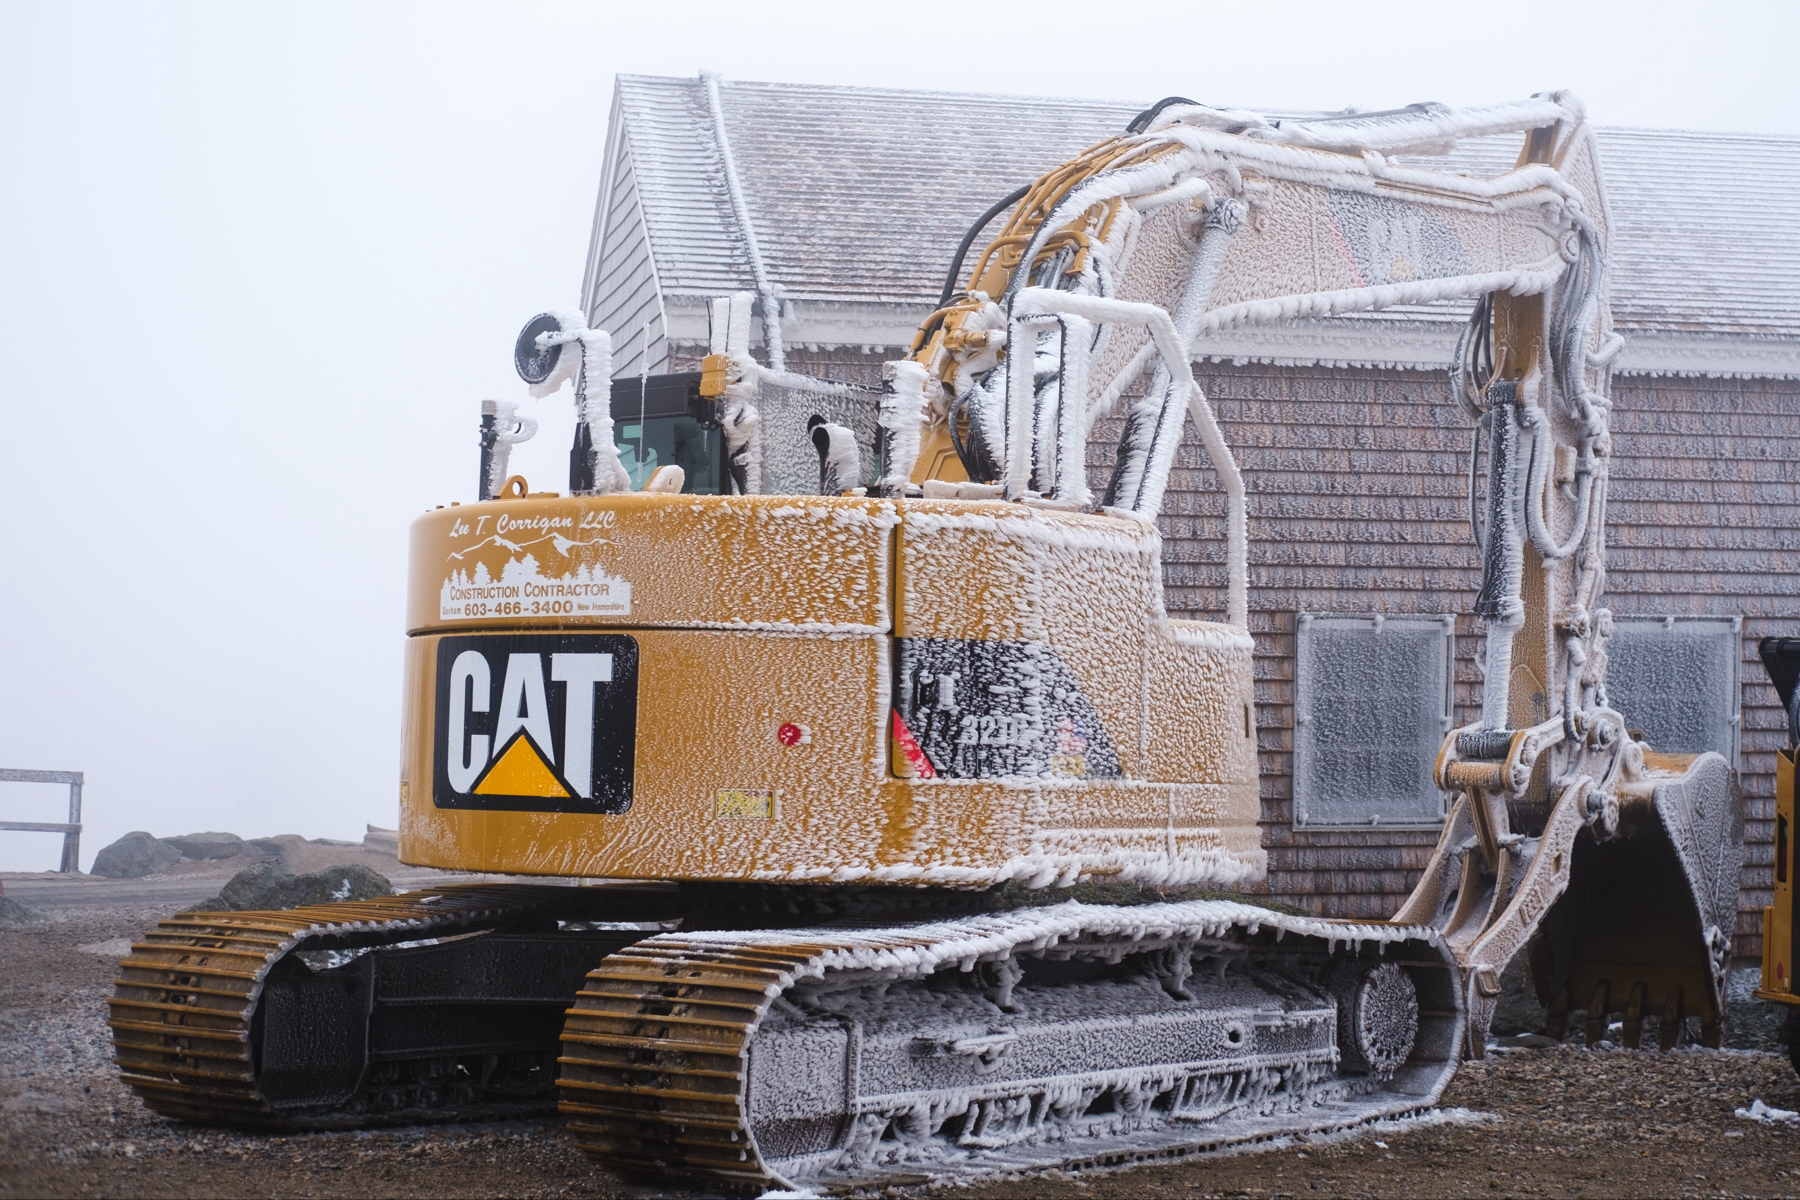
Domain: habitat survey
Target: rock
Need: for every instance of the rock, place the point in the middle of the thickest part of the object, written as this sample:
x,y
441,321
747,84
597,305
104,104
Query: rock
x,y
111,948
207,846
267,886
1518,1009
287,849
1750,1024
134,856
14,913
382,841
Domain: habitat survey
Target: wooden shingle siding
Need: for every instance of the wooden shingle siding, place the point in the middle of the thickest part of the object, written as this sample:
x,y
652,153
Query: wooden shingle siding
x,y
625,301
1706,522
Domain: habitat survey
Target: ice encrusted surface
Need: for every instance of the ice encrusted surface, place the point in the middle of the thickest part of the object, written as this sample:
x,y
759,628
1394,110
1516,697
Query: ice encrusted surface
x,y
1056,1049
915,950
1174,696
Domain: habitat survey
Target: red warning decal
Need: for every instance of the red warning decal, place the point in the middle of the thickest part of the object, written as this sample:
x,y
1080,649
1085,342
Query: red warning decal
x,y
909,746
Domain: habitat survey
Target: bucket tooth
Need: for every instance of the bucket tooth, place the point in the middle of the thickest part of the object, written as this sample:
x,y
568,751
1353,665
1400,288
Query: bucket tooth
x,y
1668,1030
1633,1036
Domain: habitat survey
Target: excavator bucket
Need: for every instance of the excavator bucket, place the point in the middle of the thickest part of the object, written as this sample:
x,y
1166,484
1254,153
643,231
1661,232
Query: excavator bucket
x,y
1622,889
1645,926
1617,874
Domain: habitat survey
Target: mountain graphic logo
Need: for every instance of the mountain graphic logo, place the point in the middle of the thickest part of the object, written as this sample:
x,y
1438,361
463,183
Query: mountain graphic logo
x,y
522,769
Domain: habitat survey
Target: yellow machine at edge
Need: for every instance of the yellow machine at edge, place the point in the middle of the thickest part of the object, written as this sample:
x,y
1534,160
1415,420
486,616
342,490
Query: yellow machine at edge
x,y
1781,658
826,758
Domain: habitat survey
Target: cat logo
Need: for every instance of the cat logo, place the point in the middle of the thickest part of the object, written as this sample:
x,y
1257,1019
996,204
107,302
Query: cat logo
x,y
536,723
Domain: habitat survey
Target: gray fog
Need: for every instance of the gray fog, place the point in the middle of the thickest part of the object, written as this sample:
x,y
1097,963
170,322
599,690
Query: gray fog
x,y
258,265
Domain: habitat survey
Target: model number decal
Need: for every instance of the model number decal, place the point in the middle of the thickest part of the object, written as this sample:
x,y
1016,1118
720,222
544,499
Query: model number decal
x,y
988,710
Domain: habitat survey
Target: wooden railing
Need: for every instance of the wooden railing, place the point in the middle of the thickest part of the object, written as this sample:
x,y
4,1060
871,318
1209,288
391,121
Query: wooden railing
x,y
71,831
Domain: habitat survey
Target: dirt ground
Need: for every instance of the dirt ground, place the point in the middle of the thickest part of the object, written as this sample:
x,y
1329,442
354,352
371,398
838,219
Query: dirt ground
x,y
1558,1122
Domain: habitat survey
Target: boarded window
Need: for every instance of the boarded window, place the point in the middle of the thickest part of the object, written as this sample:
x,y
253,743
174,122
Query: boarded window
x,y
1676,679
1371,708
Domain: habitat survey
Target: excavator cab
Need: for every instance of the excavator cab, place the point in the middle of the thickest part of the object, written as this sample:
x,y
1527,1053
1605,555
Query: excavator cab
x,y
663,420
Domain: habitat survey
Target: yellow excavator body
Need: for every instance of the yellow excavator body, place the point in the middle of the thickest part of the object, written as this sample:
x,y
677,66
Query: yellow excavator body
x,y
1778,916
1781,660
770,637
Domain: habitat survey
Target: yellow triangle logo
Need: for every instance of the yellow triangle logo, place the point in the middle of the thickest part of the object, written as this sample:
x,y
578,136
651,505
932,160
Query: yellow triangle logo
x,y
520,771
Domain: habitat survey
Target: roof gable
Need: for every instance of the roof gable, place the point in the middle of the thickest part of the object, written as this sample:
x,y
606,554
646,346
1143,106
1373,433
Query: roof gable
x,y
860,195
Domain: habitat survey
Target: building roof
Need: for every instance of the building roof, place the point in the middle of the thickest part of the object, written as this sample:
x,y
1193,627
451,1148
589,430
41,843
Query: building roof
x,y
859,196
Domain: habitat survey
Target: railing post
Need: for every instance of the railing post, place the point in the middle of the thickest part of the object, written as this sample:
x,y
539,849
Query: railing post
x,y
71,860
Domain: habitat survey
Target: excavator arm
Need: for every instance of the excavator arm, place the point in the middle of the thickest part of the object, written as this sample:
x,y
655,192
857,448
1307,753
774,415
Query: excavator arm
x,y
1110,274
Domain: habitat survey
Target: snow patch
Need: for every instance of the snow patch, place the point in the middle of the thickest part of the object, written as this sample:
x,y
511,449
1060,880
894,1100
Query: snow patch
x,y
1762,1114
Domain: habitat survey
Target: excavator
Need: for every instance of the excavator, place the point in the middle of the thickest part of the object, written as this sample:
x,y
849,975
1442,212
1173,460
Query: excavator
x,y
825,778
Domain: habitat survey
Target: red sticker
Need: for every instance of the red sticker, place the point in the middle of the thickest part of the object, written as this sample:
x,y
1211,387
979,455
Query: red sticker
x,y
909,746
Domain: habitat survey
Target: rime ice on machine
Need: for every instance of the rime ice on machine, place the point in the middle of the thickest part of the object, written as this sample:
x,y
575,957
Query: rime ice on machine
x,y
818,686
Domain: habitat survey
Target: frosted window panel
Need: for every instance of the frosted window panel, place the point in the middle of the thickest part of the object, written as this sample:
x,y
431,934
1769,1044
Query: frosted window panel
x,y
790,464
1676,678
1371,708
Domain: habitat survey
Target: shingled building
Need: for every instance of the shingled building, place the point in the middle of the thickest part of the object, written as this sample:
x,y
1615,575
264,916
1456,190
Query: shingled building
x,y
847,204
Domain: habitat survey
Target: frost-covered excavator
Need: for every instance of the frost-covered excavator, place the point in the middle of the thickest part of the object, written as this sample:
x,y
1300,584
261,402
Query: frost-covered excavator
x,y
813,759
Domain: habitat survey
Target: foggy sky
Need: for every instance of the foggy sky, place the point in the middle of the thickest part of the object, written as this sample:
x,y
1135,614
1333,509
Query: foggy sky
x,y
258,264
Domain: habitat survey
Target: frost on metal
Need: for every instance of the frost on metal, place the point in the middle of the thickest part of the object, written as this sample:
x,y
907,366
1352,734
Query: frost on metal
x,y
1076,1034
678,557
1143,767
904,410
586,358
1171,695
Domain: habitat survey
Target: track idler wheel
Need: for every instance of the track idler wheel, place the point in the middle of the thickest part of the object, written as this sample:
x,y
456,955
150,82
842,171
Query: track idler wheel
x,y
1378,1017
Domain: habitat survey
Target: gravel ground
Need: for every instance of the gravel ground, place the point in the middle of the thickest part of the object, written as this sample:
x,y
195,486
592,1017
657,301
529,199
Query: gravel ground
x,y
1550,1122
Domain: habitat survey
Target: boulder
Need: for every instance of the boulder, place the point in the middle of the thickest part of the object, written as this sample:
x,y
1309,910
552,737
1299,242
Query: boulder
x,y
267,886
287,849
134,856
14,913
206,846
1751,1024
382,841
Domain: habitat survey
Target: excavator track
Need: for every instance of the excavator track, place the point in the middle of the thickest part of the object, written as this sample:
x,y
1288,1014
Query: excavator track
x,y
1065,1036
417,975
